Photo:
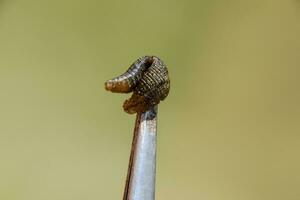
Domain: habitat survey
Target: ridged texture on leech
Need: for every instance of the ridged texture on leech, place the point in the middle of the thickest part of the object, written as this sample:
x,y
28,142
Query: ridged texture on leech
x,y
149,81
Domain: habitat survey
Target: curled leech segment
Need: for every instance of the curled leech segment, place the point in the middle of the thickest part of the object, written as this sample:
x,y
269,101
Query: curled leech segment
x,y
127,81
120,86
147,78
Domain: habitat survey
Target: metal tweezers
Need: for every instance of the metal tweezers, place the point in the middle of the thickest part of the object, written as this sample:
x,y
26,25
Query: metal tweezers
x,y
140,182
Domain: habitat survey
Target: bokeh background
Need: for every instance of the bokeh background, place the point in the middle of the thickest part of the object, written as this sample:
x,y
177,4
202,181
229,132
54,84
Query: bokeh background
x,y
229,129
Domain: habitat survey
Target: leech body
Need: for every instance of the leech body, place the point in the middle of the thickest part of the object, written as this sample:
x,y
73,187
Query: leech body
x,y
149,81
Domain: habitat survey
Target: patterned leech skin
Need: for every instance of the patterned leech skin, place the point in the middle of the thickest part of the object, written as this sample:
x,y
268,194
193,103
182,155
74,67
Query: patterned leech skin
x,y
149,81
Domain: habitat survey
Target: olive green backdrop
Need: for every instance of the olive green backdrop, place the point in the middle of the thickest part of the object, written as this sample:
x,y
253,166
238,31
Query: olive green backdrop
x,y
229,129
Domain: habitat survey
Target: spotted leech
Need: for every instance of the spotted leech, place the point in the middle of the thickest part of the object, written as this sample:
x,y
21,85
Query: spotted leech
x,y
149,81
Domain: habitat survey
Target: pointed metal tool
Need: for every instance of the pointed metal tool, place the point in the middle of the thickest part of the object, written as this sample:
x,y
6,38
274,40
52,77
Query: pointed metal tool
x,y
140,183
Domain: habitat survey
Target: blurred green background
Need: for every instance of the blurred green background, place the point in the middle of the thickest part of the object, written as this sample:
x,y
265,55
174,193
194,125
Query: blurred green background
x,y
229,129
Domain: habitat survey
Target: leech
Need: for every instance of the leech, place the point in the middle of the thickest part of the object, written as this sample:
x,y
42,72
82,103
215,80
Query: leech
x,y
149,81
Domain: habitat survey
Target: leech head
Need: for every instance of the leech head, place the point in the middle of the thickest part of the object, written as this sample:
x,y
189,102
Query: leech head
x,y
117,86
149,81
